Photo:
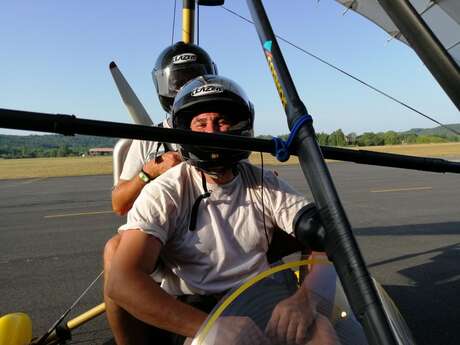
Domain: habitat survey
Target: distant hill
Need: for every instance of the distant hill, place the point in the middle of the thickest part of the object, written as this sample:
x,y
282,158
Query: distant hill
x,y
14,146
439,131
55,140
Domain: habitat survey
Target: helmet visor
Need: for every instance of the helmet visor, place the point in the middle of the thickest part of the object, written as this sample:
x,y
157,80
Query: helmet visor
x,y
171,79
234,122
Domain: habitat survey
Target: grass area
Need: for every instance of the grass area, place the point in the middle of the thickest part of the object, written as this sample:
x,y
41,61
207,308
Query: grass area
x,y
77,166
48,167
440,150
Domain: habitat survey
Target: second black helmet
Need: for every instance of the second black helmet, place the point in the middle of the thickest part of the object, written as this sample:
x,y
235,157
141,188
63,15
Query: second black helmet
x,y
176,65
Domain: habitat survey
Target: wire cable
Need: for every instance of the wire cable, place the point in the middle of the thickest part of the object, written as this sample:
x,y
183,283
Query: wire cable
x,y
262,196
42,340
198,24
173,22
349,75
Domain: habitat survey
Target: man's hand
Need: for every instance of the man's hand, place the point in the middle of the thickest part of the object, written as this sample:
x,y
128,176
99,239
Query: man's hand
x,y
162,163
291,320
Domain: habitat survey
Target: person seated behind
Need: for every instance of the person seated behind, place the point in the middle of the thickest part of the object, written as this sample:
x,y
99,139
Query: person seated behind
x,y
210,220
176,65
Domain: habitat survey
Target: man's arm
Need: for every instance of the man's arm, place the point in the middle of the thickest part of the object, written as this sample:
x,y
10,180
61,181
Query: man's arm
x,y
126,191
131,287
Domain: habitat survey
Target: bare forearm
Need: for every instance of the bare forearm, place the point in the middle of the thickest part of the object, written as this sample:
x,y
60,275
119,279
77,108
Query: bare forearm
x,y
125,193
303,292
145,300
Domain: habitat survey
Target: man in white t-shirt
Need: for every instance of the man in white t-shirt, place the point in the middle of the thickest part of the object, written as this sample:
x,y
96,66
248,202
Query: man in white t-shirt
x,y
146,160
210,220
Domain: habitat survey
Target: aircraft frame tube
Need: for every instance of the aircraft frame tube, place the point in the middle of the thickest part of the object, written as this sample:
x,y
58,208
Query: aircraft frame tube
x,y
390,160
426,45
340,244
70,125
86,316
188,21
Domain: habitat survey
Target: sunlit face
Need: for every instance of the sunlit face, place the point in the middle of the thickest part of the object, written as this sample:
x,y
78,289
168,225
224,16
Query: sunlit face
x,y
210,123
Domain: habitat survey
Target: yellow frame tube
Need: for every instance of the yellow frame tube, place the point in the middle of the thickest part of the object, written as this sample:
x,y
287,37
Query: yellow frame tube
x,y
188,21
86,316
77,322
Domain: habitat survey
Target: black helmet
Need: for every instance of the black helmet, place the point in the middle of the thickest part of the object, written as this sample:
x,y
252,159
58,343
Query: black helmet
x,y
212,93
175,66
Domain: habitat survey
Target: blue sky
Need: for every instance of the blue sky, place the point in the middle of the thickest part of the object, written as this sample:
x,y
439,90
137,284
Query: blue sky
x,y
54,58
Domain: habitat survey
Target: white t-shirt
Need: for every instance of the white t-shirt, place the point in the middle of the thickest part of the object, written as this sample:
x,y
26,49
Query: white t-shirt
x,y
140,152
229,244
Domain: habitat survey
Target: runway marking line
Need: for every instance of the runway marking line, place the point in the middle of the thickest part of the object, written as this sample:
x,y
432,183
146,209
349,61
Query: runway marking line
x,y
24,182
33,180
410,189
77,214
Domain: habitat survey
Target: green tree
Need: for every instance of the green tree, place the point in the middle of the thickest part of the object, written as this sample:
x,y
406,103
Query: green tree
x,y
391,138
337,138
322,138
63,151
410,138
370,139
427,139
351,138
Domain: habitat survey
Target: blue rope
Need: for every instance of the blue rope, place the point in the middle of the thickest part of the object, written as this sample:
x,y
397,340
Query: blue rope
x,y
282,148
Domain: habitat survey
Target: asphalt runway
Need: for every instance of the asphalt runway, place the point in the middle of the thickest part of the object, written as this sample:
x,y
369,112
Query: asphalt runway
x,y
53,230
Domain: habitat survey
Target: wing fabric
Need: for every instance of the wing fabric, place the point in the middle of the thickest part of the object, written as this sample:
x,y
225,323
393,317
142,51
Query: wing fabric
x,y
442,16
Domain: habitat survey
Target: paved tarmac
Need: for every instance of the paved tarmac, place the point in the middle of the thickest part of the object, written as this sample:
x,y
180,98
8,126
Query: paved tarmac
x,y
52,233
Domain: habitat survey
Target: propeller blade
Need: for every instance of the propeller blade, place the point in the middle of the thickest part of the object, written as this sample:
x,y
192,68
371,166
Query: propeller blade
x,y
132,102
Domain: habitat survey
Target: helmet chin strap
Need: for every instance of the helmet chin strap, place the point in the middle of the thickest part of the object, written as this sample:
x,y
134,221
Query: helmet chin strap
x,y
194,214
206,194
214,173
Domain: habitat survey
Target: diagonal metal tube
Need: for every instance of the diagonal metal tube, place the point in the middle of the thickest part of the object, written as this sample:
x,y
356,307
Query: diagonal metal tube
x,y
340,244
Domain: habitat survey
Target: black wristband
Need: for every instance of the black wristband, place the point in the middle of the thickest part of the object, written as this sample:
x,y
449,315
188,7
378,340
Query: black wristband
x,y
145,176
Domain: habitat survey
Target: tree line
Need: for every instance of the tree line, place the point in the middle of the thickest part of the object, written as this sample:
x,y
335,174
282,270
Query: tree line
x,y
338,138
31,146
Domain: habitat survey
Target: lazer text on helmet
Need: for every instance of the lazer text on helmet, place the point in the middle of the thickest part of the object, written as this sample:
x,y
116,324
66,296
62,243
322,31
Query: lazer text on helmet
x,y
183,58
207,90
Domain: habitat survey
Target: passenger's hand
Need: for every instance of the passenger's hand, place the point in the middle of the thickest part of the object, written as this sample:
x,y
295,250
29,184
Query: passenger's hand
x,y
237,330
162,163
291,320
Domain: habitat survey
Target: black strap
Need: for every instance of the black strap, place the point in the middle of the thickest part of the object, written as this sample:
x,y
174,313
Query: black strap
x,y
165,145
147,174
194,214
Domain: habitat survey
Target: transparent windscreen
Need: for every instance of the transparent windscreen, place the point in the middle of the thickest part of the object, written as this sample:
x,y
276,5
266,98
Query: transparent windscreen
x,y
270,309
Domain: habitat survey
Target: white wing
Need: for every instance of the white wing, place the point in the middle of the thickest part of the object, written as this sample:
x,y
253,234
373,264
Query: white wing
x,y
442,16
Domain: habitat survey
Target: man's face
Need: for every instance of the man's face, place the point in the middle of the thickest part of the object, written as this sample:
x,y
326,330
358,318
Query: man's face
x,y
210,123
